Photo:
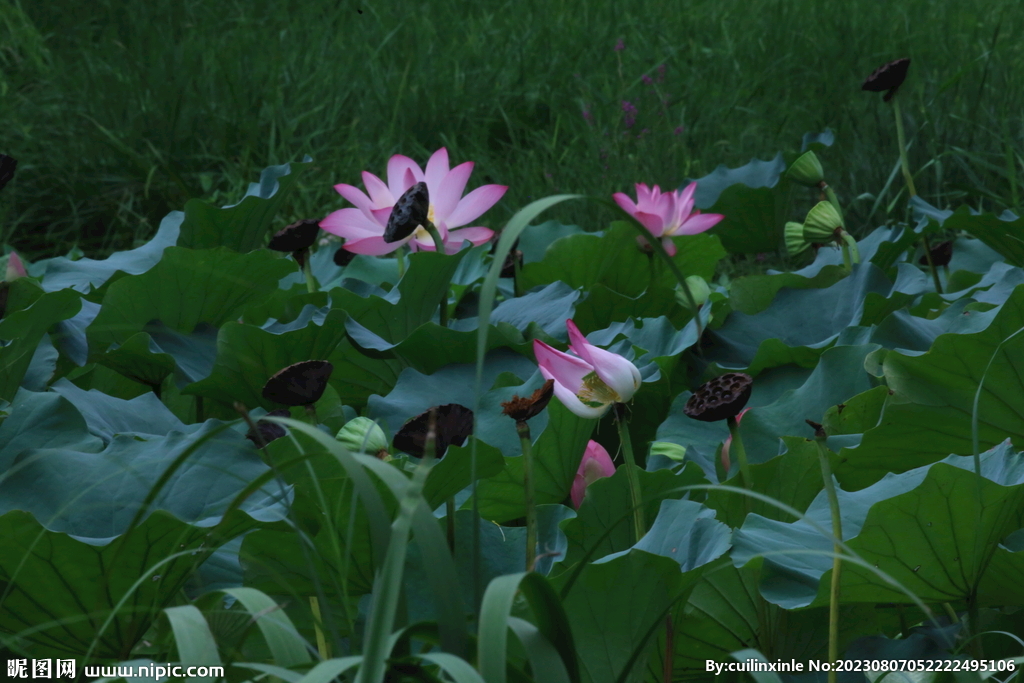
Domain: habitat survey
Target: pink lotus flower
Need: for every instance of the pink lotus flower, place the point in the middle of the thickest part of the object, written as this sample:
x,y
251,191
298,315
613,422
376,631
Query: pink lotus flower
x,y
592,380
595,464
667,214
15,268
728,442
363,226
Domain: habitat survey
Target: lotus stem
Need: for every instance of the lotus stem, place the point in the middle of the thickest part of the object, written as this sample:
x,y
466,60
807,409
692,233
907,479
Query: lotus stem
x,y
931,263
400,258
837,538
639,525
901,138
439,246
307,271
831,196
449,507
736,449
528,493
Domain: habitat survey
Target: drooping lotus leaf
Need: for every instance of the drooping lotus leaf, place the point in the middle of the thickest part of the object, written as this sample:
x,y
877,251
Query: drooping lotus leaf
x,y
929,413
185,288
107,416
24,329
87,275
241,227
617,603
74,524
754,200
614,260
926,528
247,356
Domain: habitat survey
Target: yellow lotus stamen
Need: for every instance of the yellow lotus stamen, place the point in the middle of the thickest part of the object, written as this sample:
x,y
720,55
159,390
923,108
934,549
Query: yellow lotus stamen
x,y
595,392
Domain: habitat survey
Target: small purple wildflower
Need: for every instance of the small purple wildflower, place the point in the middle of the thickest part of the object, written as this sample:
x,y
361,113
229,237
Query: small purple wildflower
x,y
647,80
587,116
620,46
661,73
761,256
678,131
629,113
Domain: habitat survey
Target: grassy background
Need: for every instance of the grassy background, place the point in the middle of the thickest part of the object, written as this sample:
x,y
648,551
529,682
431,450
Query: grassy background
x,y
119,111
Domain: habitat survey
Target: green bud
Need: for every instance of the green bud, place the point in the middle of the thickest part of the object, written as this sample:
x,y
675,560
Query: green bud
x,y
363,435
822,222
806,170
699,289
795,242
672,451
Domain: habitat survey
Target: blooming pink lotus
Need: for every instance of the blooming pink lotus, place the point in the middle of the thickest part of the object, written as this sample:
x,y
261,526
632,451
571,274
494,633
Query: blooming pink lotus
x,y
667,214
363,226
596,463
728,442
592,380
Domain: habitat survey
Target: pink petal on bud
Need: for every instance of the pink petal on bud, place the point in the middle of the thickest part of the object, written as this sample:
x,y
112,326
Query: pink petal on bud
x,y
596,464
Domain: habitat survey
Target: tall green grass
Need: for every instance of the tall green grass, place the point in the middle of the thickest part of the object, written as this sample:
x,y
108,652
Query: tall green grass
x,y
119,111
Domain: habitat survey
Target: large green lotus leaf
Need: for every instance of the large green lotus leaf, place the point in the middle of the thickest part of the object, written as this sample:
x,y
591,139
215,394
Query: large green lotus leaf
x,y
1003,279
547,308
247,356
411,303
925,528
929,414
139,359
86,275
1001,233
416,392
614,260
557,452
838,376
904,331
107,416
792,478
284,304
430,347
42,366
24,329
21,293
186,288
617,603
725,613
453,472
243,226
754,293
42,420
534,242
803,319
68,516
357,377
603,307
604,521
754,200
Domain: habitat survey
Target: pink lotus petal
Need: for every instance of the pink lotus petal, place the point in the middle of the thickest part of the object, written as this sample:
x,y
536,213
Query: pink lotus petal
x,y
476,236
474,204
698,223
354,195
437,168
625,202
381,216
350,224
378,191
449,191
651,221
686,199
573,403
596,463
561,367
371,246
670,246
398,165
728,442
615,371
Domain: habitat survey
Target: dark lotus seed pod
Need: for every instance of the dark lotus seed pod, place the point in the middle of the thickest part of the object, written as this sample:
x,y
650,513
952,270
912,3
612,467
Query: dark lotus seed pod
x,y
887,77
7,166
343,257
409,212
267,431
301,384
721,398
522,409
298,236
942,254
453,425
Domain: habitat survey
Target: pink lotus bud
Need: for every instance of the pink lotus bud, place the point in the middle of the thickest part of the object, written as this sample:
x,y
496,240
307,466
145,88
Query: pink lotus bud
x,y
596,463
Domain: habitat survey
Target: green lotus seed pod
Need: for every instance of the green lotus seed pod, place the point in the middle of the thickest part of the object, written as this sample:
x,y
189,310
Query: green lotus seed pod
x,y
795,242
822,224
363,435
672,451
699,289
806,170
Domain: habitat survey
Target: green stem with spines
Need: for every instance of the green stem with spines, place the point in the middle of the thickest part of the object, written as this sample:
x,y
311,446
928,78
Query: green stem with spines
x,y
528,493
439,247
635,496
837,534
307,271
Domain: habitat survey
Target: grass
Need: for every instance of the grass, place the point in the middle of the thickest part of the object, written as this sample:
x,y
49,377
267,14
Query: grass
x,y
119,111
